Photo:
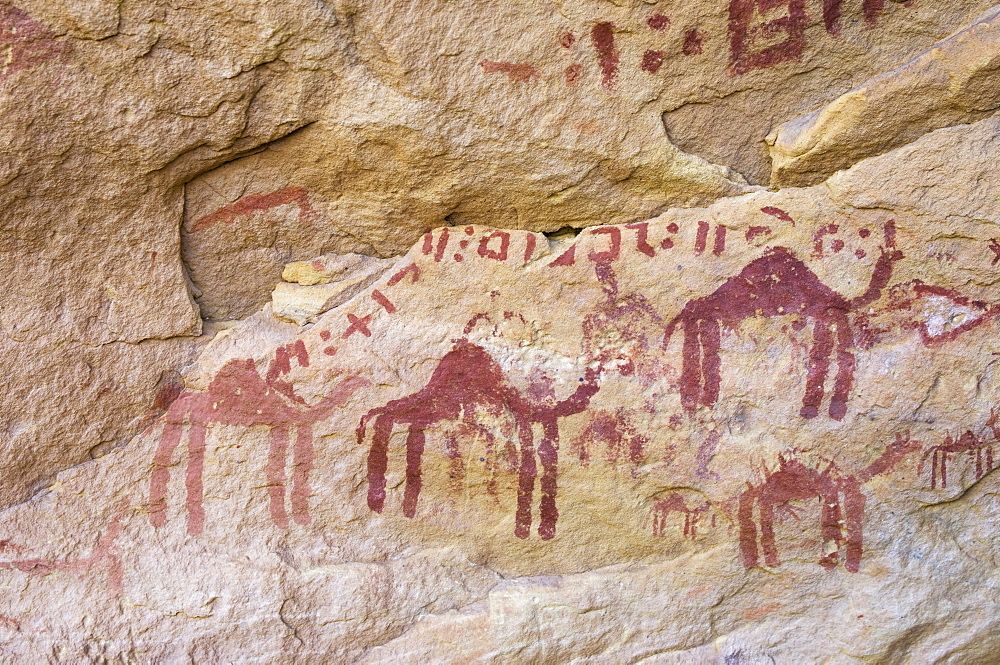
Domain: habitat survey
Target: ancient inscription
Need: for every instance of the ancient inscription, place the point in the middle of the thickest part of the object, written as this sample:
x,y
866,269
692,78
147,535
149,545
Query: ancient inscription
x,y
760,34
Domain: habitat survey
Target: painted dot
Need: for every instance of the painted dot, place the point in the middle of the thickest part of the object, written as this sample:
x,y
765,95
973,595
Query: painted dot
x,y
673,228
324,335
693,43
658,22
458,258
837,245
469,230
864,233
860,254
567,39
463,244
667,243
652,61
573,73
330,351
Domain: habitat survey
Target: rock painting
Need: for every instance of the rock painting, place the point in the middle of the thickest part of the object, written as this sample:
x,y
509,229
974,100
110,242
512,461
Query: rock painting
x,y
238,395
254,204
760,34
468,380
841,499
777,284
493,392
25,43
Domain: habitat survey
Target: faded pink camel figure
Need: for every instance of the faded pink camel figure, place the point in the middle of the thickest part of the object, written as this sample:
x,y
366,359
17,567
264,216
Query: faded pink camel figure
x,y
468,378
795,481
659,514
238,395
777,284
977,448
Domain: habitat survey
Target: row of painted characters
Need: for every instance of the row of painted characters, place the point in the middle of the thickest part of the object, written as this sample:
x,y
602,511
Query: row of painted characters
x,y
707,238
759,38
496,245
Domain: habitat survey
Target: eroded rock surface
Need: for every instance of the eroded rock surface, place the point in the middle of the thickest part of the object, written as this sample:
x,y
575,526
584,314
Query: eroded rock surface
x,y
950,84
695,439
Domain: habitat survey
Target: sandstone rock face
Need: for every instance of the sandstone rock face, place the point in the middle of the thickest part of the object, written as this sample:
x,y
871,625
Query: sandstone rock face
x,y
953,82
109,108
467,331
534,116
692,439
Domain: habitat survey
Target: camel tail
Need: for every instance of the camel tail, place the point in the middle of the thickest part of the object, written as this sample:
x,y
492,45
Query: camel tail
x,y
363,425
671,326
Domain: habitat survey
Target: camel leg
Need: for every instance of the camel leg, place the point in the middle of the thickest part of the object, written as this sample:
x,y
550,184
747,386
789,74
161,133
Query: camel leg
x,y
193,480
691,367
817,367
275,474
526,481
711,365
414,451
492,463
854,517
162,460
748,530
548,453
378,462
845,370
767,533
304,458
934,468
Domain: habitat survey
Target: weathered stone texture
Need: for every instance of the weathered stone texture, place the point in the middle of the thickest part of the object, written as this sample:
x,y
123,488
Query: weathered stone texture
x,y
703,435
365,332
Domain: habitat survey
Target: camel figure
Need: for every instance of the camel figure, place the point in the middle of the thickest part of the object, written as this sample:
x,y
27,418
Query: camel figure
x,y
676,503
977,448
466,379
238,395
776,284
795,481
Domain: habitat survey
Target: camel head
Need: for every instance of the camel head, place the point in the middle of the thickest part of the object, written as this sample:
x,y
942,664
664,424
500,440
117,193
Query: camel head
x,y
935,314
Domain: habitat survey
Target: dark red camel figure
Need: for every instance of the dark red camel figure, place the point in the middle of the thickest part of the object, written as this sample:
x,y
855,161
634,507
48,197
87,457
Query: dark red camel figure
x,y
238,395
843,505
776,284
468,378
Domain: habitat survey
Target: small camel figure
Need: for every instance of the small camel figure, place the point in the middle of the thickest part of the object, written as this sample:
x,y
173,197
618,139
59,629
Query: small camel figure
x,y
238,395
795,481
676,503
977,448
468,378
776,284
